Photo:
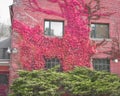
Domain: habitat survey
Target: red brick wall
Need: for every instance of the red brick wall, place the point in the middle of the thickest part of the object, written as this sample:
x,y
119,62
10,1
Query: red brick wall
x,y
111,6
34,18
31,19
4,69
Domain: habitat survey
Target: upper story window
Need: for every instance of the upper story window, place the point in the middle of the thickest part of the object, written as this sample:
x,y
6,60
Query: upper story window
x,y
54,28
101,64
99,30
4,54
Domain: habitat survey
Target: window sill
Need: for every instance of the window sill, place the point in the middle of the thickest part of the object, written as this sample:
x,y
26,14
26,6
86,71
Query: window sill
x,y
4,60
47,36
101,39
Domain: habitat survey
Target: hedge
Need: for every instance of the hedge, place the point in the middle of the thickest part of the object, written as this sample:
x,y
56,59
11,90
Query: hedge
x,y
78,82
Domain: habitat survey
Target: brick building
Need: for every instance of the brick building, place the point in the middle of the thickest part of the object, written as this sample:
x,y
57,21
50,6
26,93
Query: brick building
x,y
106,28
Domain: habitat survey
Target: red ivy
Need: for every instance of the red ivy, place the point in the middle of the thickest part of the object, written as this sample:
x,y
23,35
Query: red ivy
x,y
73,49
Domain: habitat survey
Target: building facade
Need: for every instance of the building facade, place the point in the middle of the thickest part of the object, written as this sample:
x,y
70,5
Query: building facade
x,y
5,42
105,28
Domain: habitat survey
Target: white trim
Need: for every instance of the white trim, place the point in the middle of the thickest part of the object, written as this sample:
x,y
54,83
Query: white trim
x,y
4,61
100,39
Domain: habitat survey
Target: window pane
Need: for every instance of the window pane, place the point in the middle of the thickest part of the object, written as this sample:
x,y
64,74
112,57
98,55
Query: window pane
x,y
54,28
4,54
3,79
47,29
57,28
100,30
93,30
101,64
50,63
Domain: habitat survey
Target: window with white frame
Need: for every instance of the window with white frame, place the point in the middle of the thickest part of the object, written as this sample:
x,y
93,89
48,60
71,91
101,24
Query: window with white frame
x,y
52,62
101,64
99,30
54,28
4,54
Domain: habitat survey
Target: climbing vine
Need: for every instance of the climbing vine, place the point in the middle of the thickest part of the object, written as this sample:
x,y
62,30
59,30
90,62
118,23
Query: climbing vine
x,y
73,49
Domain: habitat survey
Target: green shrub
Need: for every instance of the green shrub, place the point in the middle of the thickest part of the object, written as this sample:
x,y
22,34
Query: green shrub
x,y
78,82
85,82
37,83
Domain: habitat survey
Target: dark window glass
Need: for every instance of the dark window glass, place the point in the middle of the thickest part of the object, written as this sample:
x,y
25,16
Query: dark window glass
x,y
4,54
99,30
52,62
3,79
54,28
101,64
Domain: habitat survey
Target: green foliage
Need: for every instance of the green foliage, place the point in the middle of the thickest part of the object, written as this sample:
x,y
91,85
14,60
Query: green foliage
x,y
37,83
78,82
85,82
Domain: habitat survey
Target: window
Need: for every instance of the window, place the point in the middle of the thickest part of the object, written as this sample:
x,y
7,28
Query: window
x,y
3,79
101,64
100,30
4,54
50,63
54,28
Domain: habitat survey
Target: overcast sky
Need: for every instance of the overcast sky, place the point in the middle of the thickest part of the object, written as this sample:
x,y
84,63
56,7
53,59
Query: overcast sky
x,y
4,11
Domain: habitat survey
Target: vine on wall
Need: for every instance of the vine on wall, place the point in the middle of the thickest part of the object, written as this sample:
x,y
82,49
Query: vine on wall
x,y
73,49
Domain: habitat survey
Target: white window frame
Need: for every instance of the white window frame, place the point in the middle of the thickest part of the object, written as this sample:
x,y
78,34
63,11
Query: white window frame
x,y
48,31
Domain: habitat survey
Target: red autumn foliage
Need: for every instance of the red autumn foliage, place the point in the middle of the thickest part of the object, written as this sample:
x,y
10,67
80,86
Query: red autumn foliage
x,y
73,49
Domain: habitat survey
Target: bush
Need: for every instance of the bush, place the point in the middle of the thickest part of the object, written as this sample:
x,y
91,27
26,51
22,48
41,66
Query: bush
x,y
78,82
85,82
